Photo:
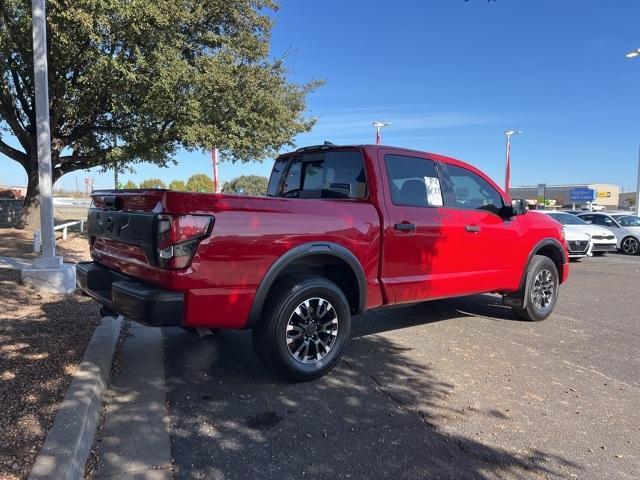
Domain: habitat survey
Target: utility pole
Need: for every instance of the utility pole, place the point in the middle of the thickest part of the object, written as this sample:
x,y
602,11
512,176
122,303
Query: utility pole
x,y
48,257
378,126
507,169
633,54
214,160
638,187
115,164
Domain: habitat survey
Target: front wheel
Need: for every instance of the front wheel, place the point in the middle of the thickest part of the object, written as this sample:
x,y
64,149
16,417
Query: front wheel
x,y
630,245
302,335
541,289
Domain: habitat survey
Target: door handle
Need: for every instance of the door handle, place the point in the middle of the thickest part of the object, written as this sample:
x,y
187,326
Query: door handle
x,y
472,228
405,227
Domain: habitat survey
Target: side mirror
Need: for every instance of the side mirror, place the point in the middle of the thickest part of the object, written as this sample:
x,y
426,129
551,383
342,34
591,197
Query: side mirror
x,y
519,206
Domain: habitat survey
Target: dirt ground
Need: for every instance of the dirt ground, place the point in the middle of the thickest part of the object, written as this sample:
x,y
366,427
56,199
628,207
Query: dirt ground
x,y
42,340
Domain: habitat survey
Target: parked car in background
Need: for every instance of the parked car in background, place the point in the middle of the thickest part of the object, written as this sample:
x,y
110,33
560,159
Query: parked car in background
x,y
578,243
593,207
602,239
627,237
343,229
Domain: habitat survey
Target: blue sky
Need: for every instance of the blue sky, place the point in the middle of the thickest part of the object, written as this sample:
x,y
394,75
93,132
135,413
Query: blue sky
x,y
451,76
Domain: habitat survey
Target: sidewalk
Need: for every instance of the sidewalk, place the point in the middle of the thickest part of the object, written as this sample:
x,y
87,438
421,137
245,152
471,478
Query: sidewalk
x,y
134,440
14,263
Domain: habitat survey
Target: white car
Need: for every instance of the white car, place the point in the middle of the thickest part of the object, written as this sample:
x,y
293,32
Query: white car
x,y
626,228
603,240
593,207
578,243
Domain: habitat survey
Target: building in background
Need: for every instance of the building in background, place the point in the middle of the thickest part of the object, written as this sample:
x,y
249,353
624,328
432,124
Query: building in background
x,y
558,195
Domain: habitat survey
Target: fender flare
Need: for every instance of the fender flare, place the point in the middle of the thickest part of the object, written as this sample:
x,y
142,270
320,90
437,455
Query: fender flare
x,y
297,253
524,280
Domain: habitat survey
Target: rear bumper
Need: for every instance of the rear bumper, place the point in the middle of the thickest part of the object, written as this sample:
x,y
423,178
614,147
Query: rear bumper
x,y
131,298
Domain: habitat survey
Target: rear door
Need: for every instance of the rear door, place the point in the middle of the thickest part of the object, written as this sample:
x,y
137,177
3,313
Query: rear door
x,y
490,252
420,251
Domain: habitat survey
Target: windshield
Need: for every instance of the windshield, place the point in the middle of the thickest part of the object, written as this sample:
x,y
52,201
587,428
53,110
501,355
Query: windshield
x,y
629,221
567,219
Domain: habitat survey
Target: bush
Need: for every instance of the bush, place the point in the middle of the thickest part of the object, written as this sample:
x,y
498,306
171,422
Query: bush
x,y
152,183
200,182
251,185
178,186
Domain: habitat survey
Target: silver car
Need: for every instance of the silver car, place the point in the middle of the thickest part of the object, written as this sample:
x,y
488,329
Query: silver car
x,y
626,228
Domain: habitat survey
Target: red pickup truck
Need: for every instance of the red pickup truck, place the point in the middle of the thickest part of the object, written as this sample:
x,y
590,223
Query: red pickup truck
x,y
342,229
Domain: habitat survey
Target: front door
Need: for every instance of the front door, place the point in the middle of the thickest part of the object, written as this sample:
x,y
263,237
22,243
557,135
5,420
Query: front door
x,y
420,250
489,242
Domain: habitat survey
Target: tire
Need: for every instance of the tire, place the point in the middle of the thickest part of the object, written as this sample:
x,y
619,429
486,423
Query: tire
x,y
308,317
541,289
630,245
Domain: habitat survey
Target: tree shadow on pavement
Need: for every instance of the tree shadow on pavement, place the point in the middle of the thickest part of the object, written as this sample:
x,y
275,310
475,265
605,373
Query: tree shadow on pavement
x,y
382,413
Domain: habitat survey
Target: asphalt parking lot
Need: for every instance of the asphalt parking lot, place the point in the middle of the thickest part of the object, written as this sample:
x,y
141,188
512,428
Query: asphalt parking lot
x,y
447,389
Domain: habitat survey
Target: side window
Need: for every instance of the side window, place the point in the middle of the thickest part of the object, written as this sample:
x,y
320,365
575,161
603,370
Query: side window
x,y
413,181
320,175
470,191
603,220
587,218
276,176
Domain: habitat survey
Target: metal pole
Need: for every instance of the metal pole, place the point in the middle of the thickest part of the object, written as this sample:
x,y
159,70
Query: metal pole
x,y
115,165
214,161
507,168
638,187
41,87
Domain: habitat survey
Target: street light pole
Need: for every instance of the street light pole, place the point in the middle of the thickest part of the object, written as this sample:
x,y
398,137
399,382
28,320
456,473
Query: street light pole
x,y
638,187
633,54
378,126
507,169
48,258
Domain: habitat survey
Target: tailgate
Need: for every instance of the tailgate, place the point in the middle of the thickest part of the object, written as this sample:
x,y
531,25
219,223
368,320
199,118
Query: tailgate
x,y
122,226
122,231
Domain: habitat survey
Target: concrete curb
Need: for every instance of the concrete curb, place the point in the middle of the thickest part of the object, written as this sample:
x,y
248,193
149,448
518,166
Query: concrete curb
x,y
66,448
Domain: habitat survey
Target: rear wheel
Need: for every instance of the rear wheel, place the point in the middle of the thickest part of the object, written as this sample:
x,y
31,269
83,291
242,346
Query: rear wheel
x,y
630,245
302,335
541,289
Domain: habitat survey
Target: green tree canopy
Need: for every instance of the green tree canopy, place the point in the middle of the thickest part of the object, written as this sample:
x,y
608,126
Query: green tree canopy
x,y
178,185
199,183
251,184
135,80
129,185
152,183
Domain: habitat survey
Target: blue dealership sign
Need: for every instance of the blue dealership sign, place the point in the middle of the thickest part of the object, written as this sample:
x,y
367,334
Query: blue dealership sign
x,y
582,195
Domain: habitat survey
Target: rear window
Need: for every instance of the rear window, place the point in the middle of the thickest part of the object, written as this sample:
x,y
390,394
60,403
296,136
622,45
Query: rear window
x,y
319,175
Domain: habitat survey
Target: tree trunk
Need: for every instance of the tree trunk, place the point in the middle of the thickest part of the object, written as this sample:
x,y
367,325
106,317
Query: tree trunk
x,y
30,219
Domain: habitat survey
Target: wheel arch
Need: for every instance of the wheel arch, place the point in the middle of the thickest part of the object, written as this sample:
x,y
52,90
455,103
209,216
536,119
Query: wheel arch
x,y
549,247
327,259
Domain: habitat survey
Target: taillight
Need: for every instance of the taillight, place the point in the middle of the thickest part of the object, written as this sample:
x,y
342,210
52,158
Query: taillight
x,y
178,238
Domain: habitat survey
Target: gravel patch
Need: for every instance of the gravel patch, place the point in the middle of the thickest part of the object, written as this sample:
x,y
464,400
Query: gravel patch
x,y
19,243
42,340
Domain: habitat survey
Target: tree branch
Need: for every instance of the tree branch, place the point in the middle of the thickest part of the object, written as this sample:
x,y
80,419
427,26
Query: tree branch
x,y
22,98
8,114
20,157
